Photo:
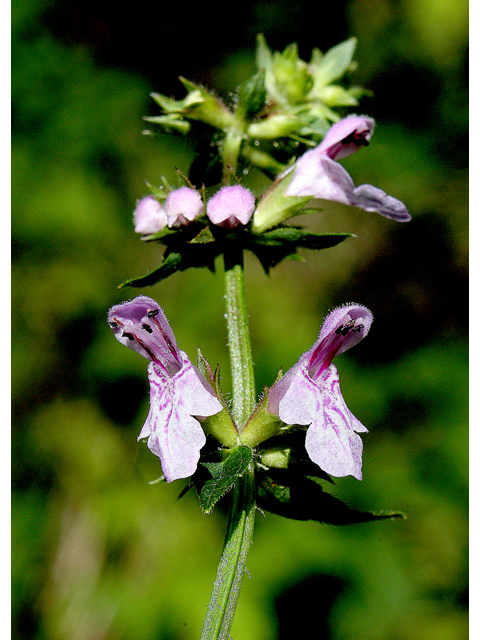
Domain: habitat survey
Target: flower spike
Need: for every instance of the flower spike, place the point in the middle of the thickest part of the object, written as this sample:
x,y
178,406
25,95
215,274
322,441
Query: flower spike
x,y
309,394
179,394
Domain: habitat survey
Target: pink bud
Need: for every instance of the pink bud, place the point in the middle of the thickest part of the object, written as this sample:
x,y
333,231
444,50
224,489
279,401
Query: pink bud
x,y
149,216
183,206
231,207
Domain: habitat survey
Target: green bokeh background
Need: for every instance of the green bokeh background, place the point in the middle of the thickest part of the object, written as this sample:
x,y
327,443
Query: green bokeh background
x,y
99,553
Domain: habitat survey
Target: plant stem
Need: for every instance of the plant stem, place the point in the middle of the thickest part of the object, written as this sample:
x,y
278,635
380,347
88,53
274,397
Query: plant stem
x,y
231,569
243,381
241,518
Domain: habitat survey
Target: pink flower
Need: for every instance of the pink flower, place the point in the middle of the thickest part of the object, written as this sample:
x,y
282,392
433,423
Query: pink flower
x,y
179,394
183,206
309,394
231,207
149,216
316,173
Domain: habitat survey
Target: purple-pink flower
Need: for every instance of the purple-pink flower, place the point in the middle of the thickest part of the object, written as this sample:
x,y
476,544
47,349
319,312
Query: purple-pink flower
x,y
318,175
179,394
149,216
183,205
231,206
309,394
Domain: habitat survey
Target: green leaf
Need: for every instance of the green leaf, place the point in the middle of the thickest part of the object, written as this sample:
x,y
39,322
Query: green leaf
x,y
206,107
252,96
178,106
333,64
160,235
300,498
223,474
287,451
274,246
205,236
170,264
263,54
170,121
336,96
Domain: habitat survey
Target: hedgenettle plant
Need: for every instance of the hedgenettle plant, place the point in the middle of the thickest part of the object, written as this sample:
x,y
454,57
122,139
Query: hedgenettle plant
x,y
275,452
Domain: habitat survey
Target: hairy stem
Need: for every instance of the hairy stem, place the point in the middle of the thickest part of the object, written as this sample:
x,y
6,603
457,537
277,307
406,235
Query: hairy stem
x,y
232,566
243,381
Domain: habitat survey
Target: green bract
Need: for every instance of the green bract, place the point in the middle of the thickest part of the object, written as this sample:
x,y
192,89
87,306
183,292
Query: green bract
x,y
287,99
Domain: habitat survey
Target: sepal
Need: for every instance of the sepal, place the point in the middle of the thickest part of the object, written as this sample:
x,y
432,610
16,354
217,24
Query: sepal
x,y
220,426
261,425
275,207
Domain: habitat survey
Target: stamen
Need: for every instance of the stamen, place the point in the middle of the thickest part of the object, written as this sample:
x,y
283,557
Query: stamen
x,y
147,327
130,336
114,325
358,328
346,328
358,138
152,356
153,312
165,337
337,331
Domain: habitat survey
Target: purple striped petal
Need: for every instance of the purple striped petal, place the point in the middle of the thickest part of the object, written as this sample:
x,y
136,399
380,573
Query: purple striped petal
x,y
309,394
316,173
174,435
179,394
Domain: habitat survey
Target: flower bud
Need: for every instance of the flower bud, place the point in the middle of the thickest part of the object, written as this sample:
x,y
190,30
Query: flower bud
x,y
275,126
183,206
231,207
149,216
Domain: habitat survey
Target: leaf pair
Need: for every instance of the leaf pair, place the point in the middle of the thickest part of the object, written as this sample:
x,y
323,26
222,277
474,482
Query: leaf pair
x,y
199,245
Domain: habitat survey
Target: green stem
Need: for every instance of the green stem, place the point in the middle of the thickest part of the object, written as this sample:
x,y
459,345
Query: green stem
x,y
243,381
232,566
231,150
241,518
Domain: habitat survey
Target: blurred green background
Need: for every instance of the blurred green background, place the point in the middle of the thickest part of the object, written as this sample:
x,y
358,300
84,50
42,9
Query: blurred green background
x,y
98,552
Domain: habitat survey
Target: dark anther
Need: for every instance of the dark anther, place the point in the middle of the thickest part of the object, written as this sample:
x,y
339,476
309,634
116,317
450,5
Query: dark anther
x,y
346,328
152,312
358,328
337,331
358,138
147,327
113,325
130,336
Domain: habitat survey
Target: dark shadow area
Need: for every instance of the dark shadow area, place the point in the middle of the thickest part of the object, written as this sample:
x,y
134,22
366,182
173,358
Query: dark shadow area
x,y
303,608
